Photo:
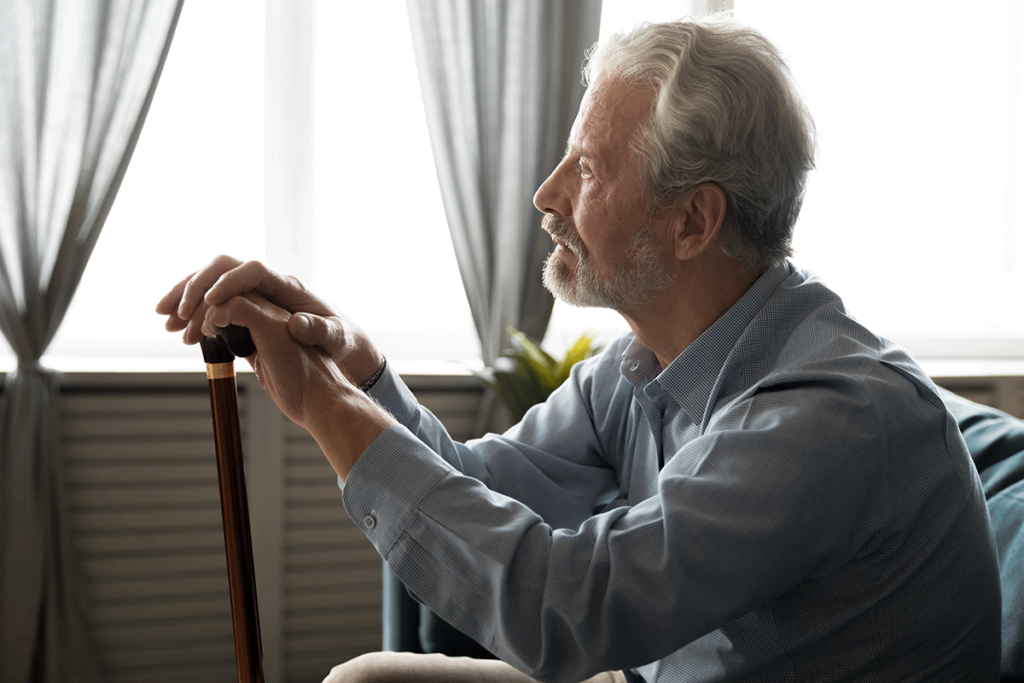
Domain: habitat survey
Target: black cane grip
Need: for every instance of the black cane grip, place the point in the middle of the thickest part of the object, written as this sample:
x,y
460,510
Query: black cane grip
x,y
229,342
238,340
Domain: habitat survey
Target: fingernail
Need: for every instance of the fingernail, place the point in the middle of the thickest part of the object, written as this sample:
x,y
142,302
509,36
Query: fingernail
x,y
302,325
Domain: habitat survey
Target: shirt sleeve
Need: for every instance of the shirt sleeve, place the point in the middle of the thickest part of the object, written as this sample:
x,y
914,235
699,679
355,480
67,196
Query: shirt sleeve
x,y
554,461
767,497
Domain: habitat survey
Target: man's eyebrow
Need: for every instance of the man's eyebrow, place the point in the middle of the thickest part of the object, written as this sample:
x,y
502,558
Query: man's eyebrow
x,y
576,149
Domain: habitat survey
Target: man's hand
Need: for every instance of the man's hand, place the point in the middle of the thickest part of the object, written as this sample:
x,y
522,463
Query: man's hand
x,y
311,321
312,387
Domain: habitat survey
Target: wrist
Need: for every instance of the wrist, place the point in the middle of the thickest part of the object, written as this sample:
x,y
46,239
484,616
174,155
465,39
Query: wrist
x,y
359,367
368,384
349,423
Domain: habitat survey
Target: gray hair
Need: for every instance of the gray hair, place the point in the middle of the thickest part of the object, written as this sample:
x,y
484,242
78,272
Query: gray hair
x,y
726,111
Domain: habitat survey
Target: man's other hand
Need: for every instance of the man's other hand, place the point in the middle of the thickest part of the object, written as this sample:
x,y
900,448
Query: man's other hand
x,y
311,322
312,386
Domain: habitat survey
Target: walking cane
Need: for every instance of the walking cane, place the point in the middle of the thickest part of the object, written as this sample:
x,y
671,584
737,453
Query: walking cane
x,y
219,353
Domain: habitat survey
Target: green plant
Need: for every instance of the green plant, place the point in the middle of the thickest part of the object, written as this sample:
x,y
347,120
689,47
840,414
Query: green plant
x,y
525,375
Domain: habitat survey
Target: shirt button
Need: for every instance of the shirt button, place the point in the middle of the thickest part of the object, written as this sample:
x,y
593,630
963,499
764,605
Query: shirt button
x,y
369,521
633,367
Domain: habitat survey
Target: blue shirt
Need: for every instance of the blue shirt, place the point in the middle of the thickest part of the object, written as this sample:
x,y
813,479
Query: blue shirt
x,y
788,500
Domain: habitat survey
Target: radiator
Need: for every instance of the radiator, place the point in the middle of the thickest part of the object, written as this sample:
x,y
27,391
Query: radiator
x,y
146,526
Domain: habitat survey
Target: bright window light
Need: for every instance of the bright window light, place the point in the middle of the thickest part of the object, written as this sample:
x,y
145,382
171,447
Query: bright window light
x,y
194,189
912,214
382,252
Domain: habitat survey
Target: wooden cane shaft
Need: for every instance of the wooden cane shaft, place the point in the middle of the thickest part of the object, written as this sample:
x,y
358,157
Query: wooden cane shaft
x,y
235,511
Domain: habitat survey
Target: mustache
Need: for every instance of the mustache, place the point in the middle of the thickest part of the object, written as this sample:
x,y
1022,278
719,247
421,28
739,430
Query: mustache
x,y
559,227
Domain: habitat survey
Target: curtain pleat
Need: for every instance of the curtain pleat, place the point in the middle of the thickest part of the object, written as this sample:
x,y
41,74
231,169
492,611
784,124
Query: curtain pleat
x,y
501,84
76,81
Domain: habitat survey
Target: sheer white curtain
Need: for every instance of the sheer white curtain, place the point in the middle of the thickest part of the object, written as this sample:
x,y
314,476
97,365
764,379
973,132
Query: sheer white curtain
x,y
76,80
501,87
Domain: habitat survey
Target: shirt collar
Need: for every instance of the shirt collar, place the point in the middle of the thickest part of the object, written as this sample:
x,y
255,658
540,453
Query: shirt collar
x,y
691,377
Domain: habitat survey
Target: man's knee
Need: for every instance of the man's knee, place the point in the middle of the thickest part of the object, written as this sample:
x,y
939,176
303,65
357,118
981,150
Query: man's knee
x,y
406,667
373,667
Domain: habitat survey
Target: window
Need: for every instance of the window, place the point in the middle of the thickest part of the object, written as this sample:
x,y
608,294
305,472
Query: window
x,y
382,249
912,215
194,189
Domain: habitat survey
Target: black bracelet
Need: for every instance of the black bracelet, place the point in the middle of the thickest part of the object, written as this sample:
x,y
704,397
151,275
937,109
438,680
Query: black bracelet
x,y
368,384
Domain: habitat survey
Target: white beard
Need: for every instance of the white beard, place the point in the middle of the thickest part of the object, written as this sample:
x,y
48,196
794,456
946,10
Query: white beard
x,y
637,278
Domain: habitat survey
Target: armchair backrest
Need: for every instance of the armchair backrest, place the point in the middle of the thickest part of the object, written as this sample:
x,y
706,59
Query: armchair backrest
x,y
995,441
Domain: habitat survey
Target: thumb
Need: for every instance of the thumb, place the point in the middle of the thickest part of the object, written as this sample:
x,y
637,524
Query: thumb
x,y
315,330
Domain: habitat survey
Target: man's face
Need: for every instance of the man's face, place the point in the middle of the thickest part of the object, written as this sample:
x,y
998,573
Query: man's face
x,y
609,248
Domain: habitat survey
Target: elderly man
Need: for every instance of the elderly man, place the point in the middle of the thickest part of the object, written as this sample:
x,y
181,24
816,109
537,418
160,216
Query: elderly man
x,y
750,486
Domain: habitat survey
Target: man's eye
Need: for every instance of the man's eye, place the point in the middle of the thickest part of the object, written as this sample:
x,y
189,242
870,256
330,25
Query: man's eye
x,y
584,169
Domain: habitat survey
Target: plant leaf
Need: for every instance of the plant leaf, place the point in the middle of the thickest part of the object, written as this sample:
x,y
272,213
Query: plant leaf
x,y
581,349
538,362
516,396
530,348
525,375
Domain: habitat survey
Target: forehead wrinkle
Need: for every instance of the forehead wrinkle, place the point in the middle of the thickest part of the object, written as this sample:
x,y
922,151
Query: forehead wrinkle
x,y
616,104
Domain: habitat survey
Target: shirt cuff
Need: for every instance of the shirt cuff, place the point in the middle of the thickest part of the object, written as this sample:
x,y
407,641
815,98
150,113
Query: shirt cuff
x,y
387,484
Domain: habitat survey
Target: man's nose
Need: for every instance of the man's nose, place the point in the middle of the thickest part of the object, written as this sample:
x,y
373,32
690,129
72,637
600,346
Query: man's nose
x,y
551,196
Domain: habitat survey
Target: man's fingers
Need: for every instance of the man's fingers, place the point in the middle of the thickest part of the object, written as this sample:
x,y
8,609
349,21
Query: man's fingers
x,y
228,291
197,286
175,324
224,278
246,277
169,304
300,326
315,330
251,311
282,290
193,326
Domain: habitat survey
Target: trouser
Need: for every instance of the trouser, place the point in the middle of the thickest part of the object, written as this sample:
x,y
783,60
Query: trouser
x,y
405,667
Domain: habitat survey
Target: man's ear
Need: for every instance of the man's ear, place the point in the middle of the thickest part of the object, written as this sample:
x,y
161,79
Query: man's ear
x,y
698,220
